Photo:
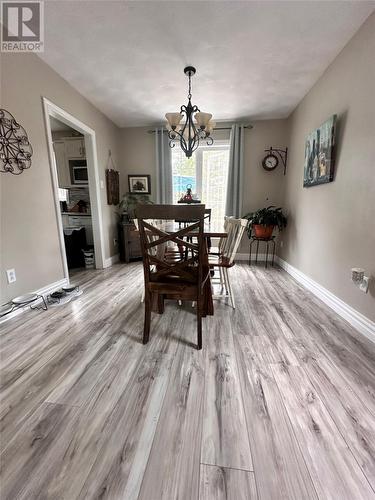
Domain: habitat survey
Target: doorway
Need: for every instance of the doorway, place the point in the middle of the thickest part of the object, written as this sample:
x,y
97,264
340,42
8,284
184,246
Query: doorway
x,y
76,187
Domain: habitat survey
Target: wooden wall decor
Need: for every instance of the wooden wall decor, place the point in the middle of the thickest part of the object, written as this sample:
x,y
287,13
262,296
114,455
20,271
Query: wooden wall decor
x,y
113,186
112,181
15,148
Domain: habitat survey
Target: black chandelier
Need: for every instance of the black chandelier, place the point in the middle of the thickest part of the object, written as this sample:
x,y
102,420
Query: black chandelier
x,y
195,127
15,148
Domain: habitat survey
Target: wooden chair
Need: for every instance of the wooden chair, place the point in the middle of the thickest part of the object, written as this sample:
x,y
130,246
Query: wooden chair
x,y
207,217
168,277
223,259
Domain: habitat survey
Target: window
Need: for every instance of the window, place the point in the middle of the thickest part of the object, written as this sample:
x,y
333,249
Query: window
x,y
207,172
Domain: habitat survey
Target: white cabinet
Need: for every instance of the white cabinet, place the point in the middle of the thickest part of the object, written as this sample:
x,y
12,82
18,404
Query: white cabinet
x,y
66,149
62,165
75,147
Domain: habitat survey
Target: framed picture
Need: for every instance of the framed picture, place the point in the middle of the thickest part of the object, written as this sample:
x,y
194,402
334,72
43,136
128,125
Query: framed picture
x,y
319,154
139,184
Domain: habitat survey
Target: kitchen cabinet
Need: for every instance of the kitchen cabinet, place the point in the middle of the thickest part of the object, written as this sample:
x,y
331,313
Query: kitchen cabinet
x,y
75,147
67,149
63,174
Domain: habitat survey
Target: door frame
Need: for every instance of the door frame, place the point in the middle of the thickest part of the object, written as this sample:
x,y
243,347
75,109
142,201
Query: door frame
x,y
52,110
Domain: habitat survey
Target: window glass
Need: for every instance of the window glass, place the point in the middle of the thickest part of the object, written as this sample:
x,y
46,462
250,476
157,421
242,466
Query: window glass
x,y
207,173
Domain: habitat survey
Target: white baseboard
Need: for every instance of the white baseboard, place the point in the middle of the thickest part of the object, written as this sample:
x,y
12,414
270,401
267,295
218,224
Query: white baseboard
x,y
46,290
360,322
111,260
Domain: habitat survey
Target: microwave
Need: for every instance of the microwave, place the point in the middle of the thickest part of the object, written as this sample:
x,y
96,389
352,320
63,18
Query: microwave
x,y
78,172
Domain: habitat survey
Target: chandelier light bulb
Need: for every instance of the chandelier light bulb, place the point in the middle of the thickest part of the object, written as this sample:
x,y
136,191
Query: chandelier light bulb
x,y
210,126
202,119
173,119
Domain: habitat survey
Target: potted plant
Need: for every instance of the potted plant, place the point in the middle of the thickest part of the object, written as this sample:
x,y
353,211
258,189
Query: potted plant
x,y
127,205
264,220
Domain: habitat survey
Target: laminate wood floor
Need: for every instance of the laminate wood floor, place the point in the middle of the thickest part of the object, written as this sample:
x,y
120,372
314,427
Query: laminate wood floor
x,y
279,404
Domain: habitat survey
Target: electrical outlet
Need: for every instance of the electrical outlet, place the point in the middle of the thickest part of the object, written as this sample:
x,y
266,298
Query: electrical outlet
x,y
11,275
115,242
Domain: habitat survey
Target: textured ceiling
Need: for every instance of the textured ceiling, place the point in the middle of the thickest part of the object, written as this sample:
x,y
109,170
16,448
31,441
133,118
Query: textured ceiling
x,y
254,60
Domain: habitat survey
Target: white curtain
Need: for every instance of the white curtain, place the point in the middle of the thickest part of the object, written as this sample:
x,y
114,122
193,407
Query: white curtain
x,y
164,187
235,172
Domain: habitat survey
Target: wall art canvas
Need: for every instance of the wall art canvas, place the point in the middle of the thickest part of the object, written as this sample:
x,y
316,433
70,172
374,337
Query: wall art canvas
x,y
319,154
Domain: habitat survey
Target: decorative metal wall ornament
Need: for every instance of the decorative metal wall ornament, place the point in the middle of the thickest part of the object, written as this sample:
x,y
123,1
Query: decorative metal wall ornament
x,y
15,148
195,127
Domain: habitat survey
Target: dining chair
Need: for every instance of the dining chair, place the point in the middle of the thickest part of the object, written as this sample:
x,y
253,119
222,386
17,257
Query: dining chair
x,y
223,259
207,218
166,274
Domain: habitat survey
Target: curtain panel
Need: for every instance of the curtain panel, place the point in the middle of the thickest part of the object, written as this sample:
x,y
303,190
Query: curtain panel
x,y
164,187
235,172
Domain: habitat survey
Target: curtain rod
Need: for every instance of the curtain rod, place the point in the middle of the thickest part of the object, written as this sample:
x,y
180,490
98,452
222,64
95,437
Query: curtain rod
x,y
216,128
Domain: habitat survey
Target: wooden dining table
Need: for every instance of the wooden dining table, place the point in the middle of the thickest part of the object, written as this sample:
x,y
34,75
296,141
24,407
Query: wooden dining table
x,y
210,230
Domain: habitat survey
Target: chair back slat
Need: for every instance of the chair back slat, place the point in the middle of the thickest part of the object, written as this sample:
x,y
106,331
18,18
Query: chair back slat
x,y
234,228
157,234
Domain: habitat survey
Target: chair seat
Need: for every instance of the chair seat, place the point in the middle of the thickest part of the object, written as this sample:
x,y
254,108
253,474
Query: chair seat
x,y
219,261
179,290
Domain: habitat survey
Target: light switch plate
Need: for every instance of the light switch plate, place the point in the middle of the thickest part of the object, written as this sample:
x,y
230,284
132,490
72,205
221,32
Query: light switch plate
x,y
364,284
11,275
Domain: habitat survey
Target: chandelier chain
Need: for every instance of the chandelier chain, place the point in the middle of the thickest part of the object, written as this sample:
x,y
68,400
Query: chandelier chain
x,y
189,94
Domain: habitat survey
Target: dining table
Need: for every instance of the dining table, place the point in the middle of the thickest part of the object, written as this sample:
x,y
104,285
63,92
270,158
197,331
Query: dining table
x,y
210,229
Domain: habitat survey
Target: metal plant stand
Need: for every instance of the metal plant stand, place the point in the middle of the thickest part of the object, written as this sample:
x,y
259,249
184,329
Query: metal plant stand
x,y
267,241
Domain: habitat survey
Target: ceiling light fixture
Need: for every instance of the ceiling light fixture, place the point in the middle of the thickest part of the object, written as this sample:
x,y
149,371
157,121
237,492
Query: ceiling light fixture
x,y
195,127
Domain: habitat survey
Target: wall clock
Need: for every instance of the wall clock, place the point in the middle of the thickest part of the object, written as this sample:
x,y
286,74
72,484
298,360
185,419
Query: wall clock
x,y
272,158
270,162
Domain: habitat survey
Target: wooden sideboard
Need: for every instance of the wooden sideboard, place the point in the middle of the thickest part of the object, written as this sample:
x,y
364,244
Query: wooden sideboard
x,y
129,242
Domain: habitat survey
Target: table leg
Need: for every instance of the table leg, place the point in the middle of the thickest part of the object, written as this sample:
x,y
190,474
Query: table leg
x,y
250,249
208,303
256,255
273,254
267,242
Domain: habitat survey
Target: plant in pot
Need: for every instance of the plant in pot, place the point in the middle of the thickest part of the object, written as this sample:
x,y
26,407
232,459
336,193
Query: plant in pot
x,y
126,207
264,220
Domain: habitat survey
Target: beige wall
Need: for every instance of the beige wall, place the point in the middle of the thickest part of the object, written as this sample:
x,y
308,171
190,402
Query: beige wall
x,y
332,226
29,237
137,152
262,188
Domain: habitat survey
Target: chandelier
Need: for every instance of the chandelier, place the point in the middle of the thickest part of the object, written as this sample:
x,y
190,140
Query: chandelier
x,y
195,126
